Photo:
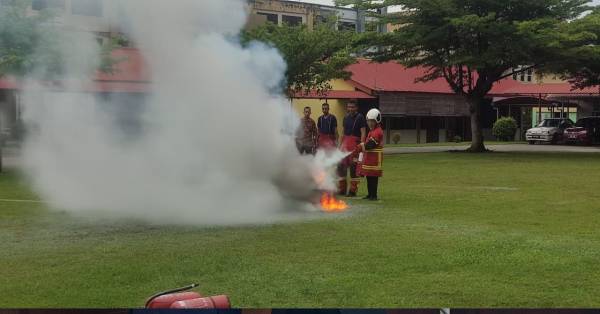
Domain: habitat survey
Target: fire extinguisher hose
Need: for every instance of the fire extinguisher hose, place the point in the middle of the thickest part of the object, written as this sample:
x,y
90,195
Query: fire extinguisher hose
x,y
192,286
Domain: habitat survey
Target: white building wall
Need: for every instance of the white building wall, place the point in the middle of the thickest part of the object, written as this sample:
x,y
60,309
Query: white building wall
x,y
107,22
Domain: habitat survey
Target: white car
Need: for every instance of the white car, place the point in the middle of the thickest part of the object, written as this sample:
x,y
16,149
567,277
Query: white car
x,y
549,131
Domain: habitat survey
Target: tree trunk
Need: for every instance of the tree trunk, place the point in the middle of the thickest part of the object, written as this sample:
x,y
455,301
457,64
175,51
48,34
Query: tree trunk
x,y
477,145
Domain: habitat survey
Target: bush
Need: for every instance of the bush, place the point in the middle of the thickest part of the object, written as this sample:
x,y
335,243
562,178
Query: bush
x,y
457,139
396,138
505,129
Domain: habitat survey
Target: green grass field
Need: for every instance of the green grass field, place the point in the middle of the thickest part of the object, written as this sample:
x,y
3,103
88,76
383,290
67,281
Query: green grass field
x,y
453,229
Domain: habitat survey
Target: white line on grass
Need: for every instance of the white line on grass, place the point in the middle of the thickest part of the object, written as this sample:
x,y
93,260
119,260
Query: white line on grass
x,y
19,201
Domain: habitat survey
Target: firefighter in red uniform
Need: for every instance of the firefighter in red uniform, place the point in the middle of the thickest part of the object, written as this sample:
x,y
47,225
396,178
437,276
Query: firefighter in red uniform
x,y
371,161
355,127
327,126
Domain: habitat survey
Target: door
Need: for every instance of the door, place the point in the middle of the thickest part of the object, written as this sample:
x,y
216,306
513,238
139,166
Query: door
x,y
433,130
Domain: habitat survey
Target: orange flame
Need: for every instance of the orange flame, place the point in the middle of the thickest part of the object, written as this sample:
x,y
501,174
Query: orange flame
x,y
330,204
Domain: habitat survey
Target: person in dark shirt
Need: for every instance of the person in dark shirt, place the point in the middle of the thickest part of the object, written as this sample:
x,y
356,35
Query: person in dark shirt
x,y
306,136
327,126
355,131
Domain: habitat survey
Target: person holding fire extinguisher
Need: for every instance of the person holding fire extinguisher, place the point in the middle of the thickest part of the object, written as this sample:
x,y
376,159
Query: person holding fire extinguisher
x,y
355,127
371,154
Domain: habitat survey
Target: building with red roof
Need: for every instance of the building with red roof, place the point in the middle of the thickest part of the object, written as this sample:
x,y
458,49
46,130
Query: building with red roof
x,y
413,111
419,112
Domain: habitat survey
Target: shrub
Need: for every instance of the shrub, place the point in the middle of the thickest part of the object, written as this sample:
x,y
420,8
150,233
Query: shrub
x,y
505,129
457,139
396,138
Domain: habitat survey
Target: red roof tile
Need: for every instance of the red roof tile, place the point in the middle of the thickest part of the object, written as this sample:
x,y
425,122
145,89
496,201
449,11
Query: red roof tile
x,y
130,67
546,88
8,83
394,77
132,74
335,94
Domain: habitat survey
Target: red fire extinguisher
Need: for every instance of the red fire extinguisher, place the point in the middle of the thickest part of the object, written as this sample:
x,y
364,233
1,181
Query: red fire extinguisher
x,y
181,298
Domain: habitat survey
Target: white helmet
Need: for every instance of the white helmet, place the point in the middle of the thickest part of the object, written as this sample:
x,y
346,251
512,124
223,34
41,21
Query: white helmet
x,y
374,114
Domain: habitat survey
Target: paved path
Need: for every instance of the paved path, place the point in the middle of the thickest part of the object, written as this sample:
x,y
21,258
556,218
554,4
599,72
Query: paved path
x,y
497,148
11,156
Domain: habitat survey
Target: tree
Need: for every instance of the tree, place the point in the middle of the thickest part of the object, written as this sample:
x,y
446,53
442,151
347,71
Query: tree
x,y
314,57
30,45
473,44
581,65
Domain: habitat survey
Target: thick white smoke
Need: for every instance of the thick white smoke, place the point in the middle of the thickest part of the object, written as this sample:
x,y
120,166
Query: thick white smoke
x,y
209,147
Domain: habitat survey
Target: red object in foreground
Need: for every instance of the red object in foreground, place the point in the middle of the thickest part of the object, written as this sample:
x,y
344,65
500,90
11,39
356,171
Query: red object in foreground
x,y
177,299
218,302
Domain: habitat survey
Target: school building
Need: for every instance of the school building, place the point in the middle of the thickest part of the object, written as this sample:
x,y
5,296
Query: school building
x,y
414,112
428,112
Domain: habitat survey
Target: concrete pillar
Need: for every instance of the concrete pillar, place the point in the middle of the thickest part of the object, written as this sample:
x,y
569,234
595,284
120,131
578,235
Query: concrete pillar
x,y
361,21
388,127
418,130
539,109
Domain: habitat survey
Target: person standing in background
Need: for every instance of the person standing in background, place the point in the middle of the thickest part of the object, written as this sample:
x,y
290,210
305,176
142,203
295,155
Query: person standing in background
x,y
355,127
327,126
306,135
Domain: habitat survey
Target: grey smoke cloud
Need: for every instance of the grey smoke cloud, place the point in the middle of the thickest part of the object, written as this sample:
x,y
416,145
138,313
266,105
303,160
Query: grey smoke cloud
x,y
209,147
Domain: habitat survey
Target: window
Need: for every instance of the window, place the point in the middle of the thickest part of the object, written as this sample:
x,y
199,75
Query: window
x,y
347,26
321,19
550,123
596,110
87,7
47,4
272,18
524,76
581,123
101,38
325,19
292,20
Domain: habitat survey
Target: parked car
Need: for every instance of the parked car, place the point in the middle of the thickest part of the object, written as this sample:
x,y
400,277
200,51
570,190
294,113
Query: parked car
x,y
548,131
586,131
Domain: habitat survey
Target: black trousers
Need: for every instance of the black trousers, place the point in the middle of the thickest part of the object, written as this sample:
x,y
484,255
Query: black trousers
x,y
372,183
342,170
306,150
